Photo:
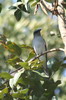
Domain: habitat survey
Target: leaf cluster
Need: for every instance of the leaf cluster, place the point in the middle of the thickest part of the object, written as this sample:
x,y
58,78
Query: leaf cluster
x,y
28,81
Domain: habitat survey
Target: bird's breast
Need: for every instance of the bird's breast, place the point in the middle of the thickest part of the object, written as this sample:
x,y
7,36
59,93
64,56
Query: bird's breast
x,y
39,45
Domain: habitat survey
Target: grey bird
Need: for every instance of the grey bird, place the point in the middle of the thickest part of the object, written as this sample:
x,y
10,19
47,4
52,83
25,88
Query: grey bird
x,y
39,46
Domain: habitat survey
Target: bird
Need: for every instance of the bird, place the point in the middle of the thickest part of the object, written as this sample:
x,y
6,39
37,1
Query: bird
x,y
40,47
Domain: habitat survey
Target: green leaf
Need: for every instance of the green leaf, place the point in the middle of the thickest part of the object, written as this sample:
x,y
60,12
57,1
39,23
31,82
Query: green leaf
x,y
27,47
20,93
34,3
58,82
0,7
14,80
56,65
38,73
19,0
31,1
38,0
14,60
24,65
36,64
43,97
5,75
18,14
24,91
31,55
4,91
13,7
2,86
7,97
13,48
23,8
50,1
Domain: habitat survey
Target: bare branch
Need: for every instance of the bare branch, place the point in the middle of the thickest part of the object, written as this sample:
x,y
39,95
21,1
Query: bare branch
x,y
43,8
48,51
47,5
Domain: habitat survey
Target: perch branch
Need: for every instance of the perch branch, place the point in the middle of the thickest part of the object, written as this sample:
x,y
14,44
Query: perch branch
x,y
48,51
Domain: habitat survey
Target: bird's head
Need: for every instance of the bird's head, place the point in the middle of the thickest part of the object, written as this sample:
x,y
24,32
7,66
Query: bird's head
x,y
37,32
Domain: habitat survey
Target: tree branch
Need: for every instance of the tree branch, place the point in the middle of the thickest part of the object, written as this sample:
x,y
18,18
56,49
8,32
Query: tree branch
x,y
46,5
48,51
62,22
58,10
36,57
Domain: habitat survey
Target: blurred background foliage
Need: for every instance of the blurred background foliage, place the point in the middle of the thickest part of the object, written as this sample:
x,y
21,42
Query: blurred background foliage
x,y
21,32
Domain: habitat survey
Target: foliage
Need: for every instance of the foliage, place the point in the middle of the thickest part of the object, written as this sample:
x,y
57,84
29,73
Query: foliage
x,y
0,7
28,80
